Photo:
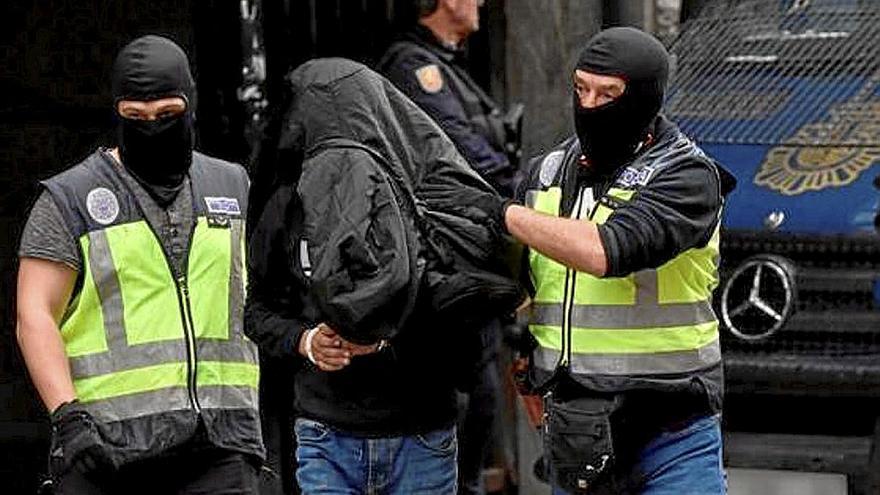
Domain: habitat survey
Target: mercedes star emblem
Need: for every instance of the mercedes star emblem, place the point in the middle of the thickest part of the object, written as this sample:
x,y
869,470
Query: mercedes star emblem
x,y
774,220
759,297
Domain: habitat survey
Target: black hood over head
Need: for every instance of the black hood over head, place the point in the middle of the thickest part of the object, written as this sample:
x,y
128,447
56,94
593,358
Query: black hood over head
x,y
395,181
158,153
610,134
336,98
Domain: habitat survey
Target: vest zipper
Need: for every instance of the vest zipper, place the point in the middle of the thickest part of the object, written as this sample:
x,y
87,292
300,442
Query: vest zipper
x,y
186,319
185,312
569,297
568,313
188,331
182,292
563,352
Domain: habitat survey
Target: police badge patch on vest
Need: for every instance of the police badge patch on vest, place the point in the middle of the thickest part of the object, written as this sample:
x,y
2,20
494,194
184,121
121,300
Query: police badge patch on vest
x,y
221,210
430,78
102,205
550,167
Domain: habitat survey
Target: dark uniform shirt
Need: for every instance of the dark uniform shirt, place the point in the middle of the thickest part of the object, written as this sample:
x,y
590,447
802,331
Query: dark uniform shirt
x,y
431,74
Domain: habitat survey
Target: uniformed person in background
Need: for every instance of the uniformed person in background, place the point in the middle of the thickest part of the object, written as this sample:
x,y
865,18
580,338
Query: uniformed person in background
x,y
427,64
130,301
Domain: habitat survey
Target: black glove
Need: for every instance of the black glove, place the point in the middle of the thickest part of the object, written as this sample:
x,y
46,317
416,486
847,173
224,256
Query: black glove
x,y
493,205
475,203
76,442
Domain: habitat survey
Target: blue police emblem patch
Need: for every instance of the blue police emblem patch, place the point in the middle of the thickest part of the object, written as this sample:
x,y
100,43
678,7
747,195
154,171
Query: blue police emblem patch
x,y
226,206
102,205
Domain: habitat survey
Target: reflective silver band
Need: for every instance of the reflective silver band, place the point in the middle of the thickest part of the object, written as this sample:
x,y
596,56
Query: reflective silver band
x,y
171,399
633,364
162,352
236,280
227,351
228,397
139,404
646,288
107,283
531,198
610,316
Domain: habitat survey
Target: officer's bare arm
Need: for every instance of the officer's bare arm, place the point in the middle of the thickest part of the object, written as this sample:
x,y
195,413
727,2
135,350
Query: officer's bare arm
x,y
574,243
44,288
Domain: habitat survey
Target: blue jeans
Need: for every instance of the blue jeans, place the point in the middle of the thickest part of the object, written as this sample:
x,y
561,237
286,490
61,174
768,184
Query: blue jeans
x,y
683,462
331,463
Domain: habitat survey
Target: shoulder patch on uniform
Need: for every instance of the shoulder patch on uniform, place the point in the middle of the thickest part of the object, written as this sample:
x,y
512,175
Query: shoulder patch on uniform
x,y
228,206
102,205
550,167
635,176
430,78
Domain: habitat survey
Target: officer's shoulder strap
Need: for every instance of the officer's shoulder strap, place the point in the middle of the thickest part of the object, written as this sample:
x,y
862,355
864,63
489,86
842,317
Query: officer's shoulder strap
x,y
673,148
401,48
84,174
213,176
217,165
72,188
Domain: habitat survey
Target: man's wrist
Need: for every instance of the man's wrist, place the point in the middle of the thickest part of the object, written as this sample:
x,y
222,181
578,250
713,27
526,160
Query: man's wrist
x,y
297,341
305,343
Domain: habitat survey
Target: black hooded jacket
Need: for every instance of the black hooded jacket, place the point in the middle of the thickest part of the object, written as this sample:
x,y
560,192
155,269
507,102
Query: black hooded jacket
x,y
362,233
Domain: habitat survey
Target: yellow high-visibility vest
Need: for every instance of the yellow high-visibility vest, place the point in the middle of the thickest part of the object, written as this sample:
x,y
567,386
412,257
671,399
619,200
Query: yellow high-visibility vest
x,y
141,341
648,324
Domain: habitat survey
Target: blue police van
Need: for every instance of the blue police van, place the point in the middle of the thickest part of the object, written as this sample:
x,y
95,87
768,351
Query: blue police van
x,y
786,95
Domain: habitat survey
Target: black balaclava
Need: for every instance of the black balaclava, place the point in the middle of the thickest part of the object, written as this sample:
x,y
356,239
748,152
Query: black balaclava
x,y
611,133
157,153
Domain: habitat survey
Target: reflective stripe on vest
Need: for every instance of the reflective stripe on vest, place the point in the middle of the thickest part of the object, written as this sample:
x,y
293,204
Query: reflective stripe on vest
x,y
124,332
651,322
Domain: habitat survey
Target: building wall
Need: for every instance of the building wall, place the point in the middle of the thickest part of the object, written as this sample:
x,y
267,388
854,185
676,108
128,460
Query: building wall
x,y
543,40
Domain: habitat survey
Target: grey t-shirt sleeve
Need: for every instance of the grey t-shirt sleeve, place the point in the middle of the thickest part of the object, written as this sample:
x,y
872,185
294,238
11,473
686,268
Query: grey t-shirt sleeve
x,y
46,236
676,211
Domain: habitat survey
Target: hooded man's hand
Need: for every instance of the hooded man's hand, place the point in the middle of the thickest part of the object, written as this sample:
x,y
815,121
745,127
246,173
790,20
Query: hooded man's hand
x,y
324,348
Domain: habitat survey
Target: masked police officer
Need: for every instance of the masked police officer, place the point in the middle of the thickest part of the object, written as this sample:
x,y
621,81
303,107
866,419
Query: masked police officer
x,y
622,222
130,301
